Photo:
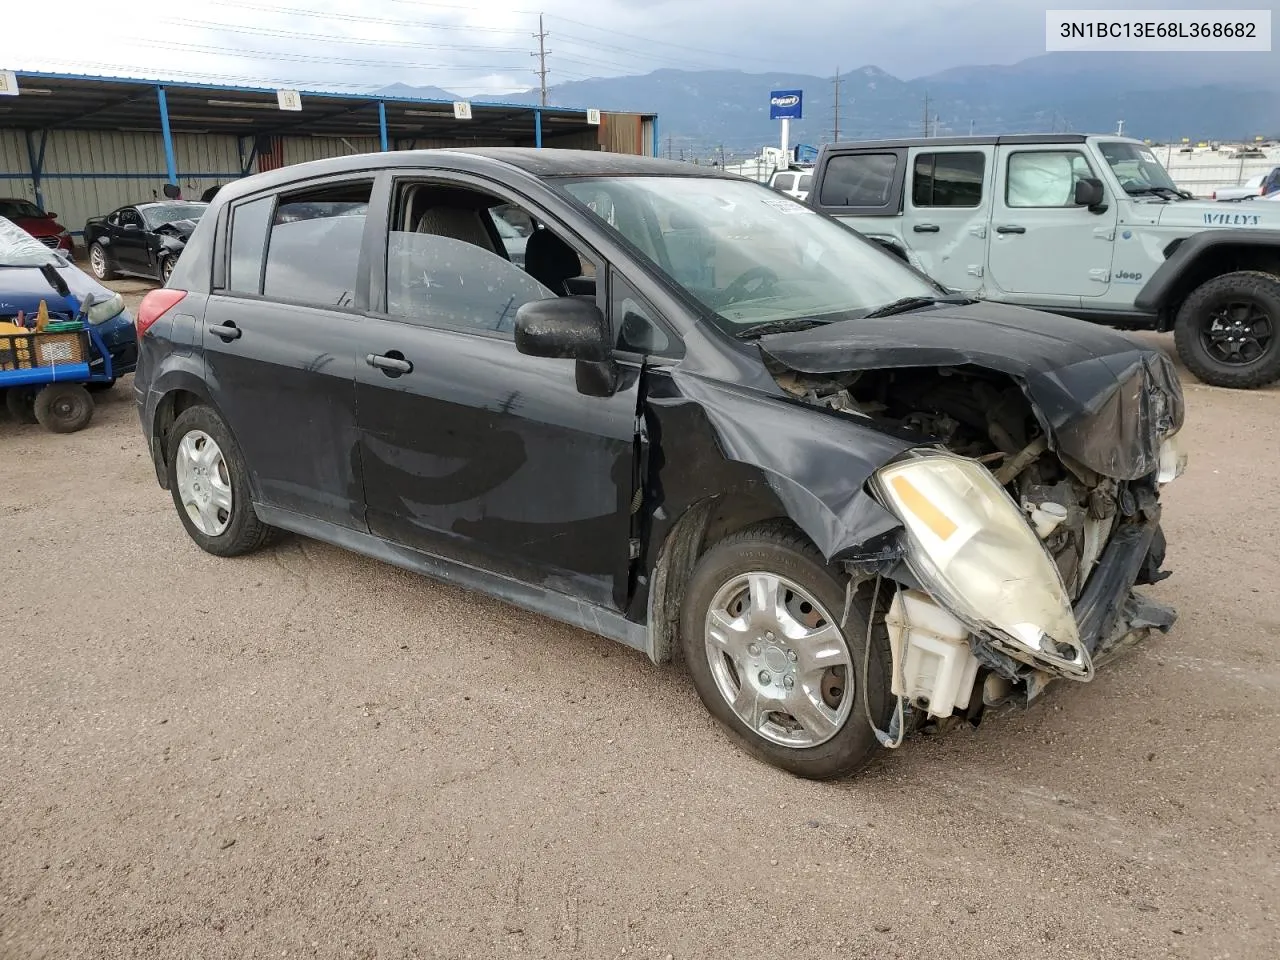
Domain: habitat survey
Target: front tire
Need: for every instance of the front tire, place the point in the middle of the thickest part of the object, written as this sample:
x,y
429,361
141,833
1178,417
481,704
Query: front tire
x,y
1228,330
209,482
166,269
63,407
100,262
761,636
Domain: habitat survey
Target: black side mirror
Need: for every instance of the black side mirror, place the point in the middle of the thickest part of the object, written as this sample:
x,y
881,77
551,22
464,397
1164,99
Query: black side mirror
x,y
567,328
1089,192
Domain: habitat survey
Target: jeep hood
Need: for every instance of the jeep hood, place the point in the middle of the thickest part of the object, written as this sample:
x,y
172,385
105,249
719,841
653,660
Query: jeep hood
x,y
1102,398
1209,215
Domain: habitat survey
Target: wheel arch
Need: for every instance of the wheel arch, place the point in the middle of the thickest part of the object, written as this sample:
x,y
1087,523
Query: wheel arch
x,y
1198,259
178,391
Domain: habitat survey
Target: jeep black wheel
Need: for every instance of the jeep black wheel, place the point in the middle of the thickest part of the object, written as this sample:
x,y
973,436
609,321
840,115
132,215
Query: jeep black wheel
x,y
1228,330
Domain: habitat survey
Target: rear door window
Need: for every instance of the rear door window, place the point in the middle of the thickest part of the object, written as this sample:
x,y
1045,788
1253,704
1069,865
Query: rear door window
x,y
859,180
784,181
947,180
313,252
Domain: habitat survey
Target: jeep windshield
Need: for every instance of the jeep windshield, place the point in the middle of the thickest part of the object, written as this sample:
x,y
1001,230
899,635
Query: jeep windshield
x,y
1138,170
755,260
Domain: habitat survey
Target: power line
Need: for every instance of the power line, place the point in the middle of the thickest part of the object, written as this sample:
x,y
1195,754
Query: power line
x,y
330,38
357,18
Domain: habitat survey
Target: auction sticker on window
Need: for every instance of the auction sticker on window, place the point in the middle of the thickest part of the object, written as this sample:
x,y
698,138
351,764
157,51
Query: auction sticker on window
x,y
1158,30
786,206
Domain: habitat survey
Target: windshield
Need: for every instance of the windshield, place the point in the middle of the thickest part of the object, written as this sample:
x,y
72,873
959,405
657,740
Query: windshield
x,y
20,210
747,254
1136,167
169,212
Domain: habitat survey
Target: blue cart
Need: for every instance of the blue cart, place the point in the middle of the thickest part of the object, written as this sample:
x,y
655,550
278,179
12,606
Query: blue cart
x,y
45,376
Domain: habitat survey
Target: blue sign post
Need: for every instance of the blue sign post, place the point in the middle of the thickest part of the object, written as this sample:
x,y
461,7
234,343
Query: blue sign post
x,y
786,105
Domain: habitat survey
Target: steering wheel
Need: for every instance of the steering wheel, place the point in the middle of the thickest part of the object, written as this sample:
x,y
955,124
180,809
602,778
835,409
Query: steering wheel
x,y
749,284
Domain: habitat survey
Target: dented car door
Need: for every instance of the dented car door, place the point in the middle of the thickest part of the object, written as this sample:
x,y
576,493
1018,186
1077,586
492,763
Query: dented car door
x,y
472,451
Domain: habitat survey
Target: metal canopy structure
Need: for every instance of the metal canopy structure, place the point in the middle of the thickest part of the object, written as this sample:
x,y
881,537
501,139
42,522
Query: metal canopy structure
x,y
51,101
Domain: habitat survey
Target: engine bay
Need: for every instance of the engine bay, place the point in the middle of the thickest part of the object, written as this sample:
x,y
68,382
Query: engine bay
x,y
986,416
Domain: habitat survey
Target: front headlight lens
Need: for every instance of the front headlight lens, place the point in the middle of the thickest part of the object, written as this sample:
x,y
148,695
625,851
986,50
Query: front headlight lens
x,y
972,548
104,310
1173,460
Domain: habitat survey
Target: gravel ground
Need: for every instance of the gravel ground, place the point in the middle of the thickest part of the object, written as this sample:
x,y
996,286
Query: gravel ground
x,y
304,752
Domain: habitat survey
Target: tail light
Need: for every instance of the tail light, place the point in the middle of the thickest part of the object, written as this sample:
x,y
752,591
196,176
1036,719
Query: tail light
x,y
154,306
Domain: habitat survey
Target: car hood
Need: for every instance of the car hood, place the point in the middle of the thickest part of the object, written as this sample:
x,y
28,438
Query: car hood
x,y
1207,213
177,228
39,226
22,288
1102,398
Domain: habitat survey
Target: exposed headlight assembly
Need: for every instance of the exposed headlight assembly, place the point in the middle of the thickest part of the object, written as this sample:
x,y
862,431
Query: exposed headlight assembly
x,y
103,310
971,547
1173,460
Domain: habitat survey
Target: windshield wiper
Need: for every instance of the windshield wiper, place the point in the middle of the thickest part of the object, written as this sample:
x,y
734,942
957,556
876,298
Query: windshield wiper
x,y
790,325
1169,193
913,303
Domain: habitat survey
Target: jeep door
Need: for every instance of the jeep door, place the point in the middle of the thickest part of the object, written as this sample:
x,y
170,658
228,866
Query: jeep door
x,y
281,329
471,450
1043,248
946,210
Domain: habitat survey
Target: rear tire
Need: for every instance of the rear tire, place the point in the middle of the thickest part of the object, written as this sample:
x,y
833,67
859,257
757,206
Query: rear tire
x,y
1215,323
234,531
21,402
63,407
790,663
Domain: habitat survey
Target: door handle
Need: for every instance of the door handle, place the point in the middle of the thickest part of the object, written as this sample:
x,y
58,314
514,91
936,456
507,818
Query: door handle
x,y
392,363
926,228
1011,229
227,331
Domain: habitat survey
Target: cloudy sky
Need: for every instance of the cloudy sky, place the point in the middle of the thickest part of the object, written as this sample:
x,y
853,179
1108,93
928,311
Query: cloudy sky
x,y
486,46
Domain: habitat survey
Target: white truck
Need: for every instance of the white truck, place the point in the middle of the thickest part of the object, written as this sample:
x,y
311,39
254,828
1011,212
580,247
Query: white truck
x,y
1087,226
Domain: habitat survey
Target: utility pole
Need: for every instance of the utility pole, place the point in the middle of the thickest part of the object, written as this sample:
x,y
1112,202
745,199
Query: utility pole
x,y
541,36
935,124
722,156
971,128
926,113
668,146
835,132
1120,128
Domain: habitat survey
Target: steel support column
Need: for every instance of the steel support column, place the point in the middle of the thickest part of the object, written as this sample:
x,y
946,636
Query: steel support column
x,y
170,166
382,124
537,128
35,156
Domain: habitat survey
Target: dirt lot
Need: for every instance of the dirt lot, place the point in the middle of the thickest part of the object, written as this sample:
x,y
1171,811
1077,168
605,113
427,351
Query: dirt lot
x,y
304,752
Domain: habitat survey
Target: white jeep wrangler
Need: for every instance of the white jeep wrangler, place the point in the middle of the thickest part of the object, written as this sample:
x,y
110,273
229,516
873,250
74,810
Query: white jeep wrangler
x,y
1089,226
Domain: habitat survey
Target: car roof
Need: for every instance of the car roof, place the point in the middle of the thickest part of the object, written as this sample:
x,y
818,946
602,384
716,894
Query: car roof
x,y
1019,138
164,203
539,163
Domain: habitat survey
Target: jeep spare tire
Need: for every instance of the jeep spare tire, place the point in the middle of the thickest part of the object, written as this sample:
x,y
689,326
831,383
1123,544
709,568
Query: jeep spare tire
x,y
1228,330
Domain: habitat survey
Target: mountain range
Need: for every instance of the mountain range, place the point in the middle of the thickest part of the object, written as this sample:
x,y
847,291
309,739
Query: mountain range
x,y
1158,96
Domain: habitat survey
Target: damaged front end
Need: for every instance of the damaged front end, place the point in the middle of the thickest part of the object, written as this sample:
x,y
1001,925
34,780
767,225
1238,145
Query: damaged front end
x,y
1029,506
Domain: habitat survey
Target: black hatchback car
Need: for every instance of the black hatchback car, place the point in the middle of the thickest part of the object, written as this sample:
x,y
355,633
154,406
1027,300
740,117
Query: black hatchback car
x,y
700,417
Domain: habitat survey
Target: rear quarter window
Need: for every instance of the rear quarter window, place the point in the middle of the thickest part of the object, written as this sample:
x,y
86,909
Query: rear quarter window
x,y
858,180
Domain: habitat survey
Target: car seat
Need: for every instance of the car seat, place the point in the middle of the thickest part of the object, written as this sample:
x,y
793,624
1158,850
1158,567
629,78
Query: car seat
x,y
551,262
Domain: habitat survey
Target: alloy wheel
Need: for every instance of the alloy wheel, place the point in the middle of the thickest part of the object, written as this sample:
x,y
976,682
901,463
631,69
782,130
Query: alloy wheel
x,y
1239,332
